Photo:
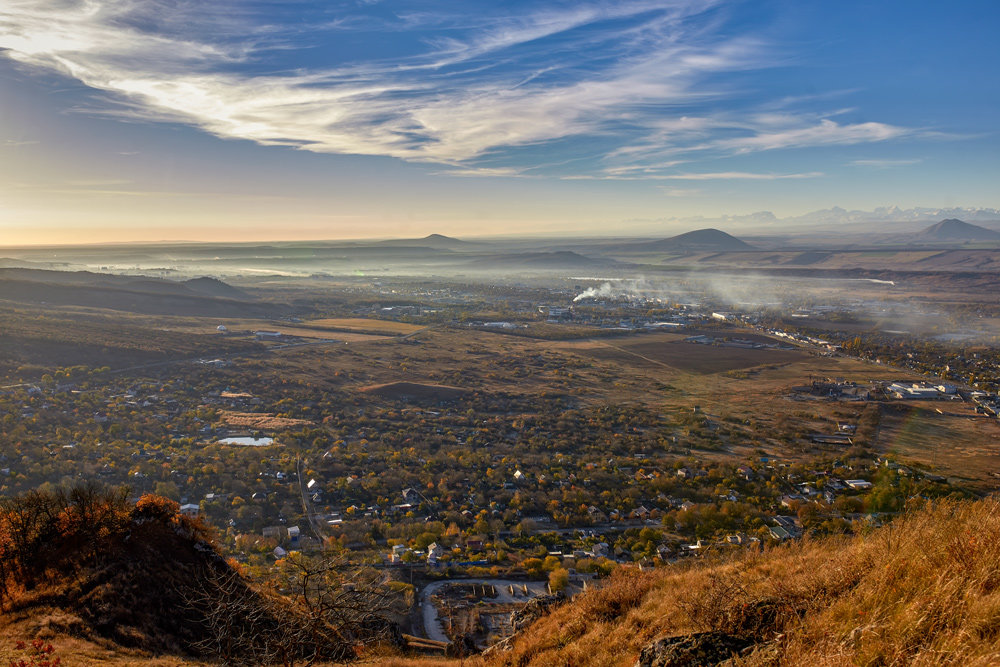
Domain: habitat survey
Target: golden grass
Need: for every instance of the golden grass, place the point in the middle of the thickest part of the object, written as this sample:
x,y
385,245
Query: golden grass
x,y
923,591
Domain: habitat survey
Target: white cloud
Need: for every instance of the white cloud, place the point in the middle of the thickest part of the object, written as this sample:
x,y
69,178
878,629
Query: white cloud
x,y
824,133
614,74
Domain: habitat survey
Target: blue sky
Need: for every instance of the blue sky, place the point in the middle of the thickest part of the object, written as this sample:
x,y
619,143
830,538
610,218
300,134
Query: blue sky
x,y
139,119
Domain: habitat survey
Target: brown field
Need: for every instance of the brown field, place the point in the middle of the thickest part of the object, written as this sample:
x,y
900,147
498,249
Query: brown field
x,y
260,420
348,330
958,443
690,357
364,324
328,334
404,390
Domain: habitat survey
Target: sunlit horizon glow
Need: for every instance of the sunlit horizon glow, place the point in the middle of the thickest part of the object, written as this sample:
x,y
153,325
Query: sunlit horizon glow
x,y
143,120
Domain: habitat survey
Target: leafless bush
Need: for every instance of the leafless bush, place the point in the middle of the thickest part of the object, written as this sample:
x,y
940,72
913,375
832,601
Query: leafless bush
x,y
319,611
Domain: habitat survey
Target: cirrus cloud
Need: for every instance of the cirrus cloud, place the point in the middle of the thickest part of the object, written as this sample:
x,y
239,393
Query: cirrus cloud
x,y
618,79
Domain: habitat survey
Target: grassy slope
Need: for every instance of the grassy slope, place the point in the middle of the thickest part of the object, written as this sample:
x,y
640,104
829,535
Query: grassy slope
x,y
923,591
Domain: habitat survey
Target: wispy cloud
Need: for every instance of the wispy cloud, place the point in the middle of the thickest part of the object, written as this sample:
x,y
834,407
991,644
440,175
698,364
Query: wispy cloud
x,y
680,192
741,176
98,183
469,93
482,172
884,164
824,133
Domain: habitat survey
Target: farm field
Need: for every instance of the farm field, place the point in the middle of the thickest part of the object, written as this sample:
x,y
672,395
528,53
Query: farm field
x,y
692,357
955,441
364,324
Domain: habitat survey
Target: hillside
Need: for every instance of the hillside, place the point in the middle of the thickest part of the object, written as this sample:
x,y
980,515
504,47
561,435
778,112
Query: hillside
x,y
923,590
137,294
141,579
953,231
698,240
701,239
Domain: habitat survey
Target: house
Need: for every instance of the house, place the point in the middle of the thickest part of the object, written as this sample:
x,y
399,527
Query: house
x,y
190,510
275,532
639,512
396,555
779,533
434,552
791,501
858,484
596,515
411,496
293,534
601,550
475,543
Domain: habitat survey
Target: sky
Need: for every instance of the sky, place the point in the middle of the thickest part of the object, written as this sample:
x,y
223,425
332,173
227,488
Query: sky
x,y
139,120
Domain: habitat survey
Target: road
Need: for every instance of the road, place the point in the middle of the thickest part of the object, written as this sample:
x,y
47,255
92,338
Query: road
x,y
317,529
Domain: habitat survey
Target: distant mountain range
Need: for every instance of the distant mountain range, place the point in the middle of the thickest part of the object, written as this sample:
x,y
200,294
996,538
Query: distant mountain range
x,y
837,216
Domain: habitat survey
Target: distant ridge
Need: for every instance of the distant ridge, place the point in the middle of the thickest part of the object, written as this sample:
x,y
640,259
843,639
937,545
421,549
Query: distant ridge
x,y
137,294
701,239
436,241
214,287
954,230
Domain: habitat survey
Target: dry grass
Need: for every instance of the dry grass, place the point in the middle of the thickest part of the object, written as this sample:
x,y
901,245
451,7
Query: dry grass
x,y
923,591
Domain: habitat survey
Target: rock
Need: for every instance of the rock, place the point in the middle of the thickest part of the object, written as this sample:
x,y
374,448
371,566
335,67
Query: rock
x,y
462,647
534,610
699,650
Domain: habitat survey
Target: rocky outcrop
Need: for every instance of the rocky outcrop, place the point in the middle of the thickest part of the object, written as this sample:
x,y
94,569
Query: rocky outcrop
x,y
534,610
699,650
521,618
